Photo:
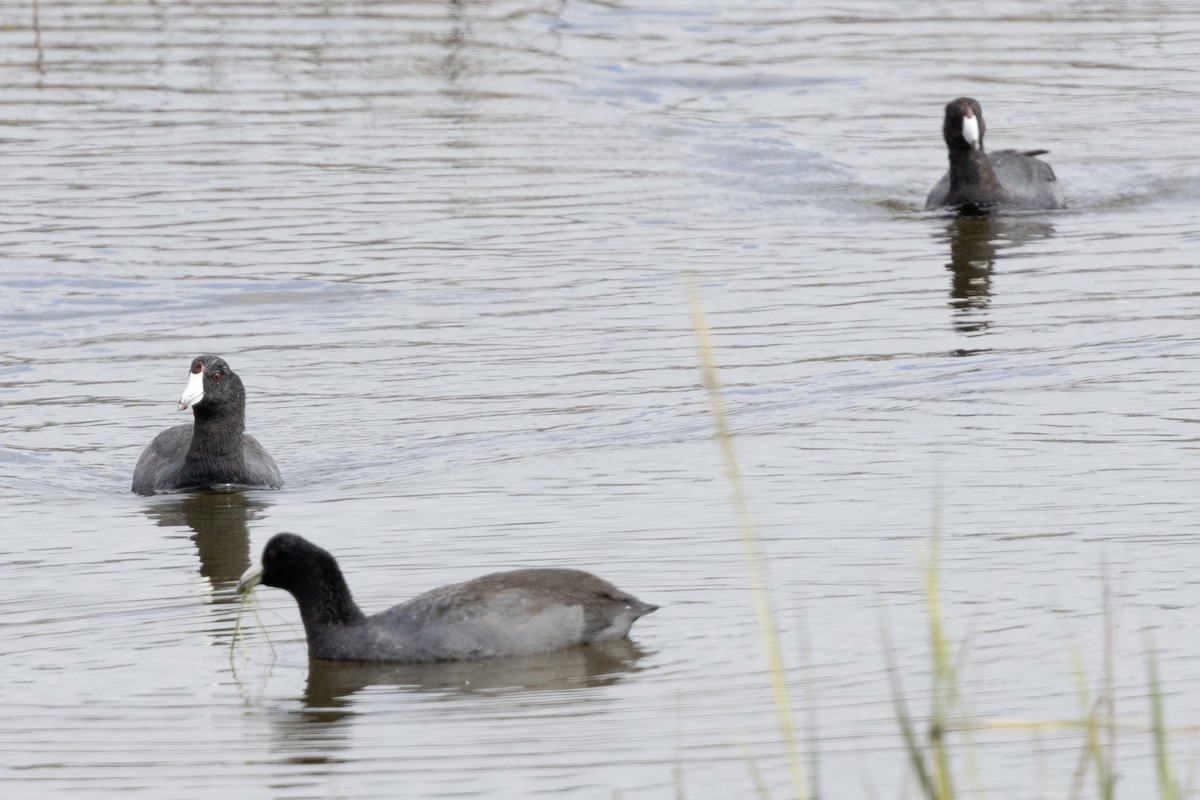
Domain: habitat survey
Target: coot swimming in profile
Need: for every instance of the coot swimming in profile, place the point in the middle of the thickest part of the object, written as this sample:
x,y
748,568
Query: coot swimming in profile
x,y
977,181
521,612
214,450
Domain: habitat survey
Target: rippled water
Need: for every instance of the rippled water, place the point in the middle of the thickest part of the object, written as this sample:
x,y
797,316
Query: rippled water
x,y
444,245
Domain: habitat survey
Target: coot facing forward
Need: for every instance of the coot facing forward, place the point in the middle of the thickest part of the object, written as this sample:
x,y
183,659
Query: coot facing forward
x,y
979,181
214,450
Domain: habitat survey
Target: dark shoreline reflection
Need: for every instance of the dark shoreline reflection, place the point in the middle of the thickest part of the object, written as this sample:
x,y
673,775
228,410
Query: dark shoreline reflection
x,y
220,524
976,244
461,35
39,61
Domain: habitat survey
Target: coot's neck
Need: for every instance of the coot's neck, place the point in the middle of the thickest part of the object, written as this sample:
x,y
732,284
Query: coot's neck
x,y
325,602
217,435
972,179
217,452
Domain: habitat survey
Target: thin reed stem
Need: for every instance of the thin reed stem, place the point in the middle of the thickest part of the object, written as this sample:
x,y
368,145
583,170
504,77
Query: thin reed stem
x,y
749,537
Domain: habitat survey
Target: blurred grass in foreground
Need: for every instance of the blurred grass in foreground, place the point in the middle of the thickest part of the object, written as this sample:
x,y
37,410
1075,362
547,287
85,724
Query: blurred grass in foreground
x,y
759,589
927,743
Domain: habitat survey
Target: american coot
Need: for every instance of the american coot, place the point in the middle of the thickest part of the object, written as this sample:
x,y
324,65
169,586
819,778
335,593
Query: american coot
x,y
503,614
214,450
980,181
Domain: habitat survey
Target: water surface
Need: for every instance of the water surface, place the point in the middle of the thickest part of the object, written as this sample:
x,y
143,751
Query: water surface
x,y
444,246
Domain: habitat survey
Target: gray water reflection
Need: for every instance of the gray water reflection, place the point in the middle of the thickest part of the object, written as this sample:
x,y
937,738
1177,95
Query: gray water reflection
x,y
330,683
220,524
322,727
977,243
40,59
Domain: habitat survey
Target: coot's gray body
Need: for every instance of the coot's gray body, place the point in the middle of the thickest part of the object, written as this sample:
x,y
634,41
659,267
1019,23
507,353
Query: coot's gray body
x,y
978,181
214,450
502,614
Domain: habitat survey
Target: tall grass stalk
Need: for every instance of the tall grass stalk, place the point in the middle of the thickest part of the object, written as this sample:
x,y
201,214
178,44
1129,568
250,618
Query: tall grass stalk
x,y
810,709
749,537
945,687
756,776
1168,789
930,760
1107,776
912,746
1094,751
1099,715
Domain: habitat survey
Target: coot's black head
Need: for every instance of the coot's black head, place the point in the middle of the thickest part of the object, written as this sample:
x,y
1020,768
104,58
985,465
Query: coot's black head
x,y
213,388
291,562
964,128
310,574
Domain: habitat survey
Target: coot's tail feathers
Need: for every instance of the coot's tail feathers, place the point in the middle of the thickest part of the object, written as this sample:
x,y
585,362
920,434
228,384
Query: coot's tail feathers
x,y
642,609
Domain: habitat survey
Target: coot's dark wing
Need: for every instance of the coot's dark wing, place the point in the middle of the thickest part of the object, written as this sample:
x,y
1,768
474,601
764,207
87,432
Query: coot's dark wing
x,y
261,467
1028,181
939,193
161,461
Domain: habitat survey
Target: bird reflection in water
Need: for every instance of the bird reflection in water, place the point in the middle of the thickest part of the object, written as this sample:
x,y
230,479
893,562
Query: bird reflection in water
x,y
220,524
320,730
331,684
976,244
596,664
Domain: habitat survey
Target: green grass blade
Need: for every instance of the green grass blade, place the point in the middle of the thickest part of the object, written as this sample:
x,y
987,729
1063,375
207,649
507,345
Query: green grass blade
x,y
945,686
749,538
1168,789
912,747
1107,752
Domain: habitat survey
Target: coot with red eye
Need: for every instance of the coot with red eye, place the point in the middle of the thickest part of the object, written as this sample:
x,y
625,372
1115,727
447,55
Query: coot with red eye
x,y
214,450
520,612
979,182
